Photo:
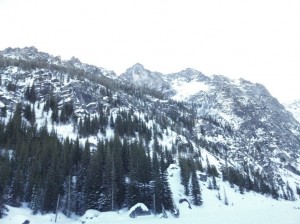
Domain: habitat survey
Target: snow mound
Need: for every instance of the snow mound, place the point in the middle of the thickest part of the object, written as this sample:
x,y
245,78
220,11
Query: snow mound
x,y
139,209
90,214
20,215
139,205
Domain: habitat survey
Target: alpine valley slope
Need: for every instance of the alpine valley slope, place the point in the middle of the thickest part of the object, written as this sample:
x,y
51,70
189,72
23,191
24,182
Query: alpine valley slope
x,y
233,125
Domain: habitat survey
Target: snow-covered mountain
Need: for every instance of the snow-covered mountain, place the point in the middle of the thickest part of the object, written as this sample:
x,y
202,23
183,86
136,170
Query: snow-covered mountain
x,y
235,126
241,118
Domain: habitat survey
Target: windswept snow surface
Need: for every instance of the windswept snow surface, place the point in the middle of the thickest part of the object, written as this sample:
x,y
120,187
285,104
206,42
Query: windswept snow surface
x,y
248,208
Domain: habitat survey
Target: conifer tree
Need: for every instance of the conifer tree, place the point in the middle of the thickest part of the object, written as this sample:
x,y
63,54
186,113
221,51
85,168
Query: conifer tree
x,y
94,179
107,199
35,203
125,155
15,128
4,178
210,186
54,179
298,190
163,192
27,112
4,111
225,198
195,190
185,174
248,183
54,115
119,172
81,179
27,93
30,93
214,183
16,188
219,195
138,190
33,118
290,192
274,192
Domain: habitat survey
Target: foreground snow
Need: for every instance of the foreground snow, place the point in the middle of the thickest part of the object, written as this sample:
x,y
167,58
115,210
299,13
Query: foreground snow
x,y
258,212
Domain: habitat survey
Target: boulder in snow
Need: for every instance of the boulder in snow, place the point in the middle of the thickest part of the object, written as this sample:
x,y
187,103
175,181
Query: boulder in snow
x,y
139,210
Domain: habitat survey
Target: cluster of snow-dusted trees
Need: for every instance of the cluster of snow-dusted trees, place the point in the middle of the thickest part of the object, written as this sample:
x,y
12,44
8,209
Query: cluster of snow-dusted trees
x,y
109,177
38,168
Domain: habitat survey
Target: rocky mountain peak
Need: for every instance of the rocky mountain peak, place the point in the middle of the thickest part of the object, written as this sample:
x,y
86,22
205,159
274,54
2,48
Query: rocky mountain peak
x,y
138,67
74,60
141,77
192,74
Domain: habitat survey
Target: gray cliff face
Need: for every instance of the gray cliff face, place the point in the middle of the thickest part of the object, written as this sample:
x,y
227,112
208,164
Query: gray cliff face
x,y
237,121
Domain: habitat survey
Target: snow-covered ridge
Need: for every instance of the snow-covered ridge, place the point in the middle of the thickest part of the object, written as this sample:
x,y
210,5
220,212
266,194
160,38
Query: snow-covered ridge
x,y
32,54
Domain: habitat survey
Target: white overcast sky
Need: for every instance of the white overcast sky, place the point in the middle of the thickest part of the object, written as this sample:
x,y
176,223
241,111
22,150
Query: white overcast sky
x,y
258,40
